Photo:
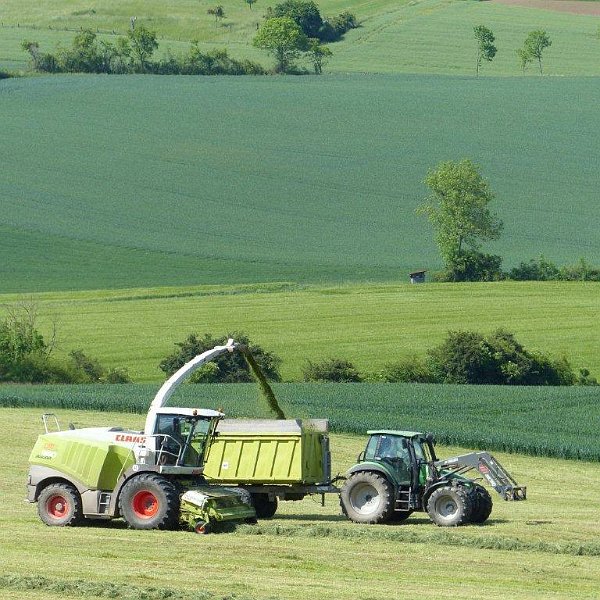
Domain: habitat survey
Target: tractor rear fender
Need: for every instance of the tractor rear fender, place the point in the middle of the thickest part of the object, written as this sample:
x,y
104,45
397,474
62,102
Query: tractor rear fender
x,y
373,467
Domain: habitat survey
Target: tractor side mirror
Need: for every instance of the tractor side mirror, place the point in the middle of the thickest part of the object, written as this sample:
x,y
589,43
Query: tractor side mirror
x,y
361,457
431,439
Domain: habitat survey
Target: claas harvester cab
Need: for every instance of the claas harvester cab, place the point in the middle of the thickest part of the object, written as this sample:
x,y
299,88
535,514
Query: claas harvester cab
x,y
399,473
153,478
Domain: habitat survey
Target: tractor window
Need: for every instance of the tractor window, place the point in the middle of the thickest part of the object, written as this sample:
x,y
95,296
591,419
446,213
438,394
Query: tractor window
x,y
372,447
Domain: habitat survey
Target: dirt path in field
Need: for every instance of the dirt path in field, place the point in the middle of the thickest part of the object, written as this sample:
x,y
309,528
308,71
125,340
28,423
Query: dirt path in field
x,y
571,6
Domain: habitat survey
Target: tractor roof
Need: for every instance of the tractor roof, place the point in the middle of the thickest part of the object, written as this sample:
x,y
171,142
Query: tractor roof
x,y
406,434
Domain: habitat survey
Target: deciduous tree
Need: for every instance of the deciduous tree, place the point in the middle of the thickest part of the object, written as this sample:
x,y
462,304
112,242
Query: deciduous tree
x,y
284,39
458,210
485,45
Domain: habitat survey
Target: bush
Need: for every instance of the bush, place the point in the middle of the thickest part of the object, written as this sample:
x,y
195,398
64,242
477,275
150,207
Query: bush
x,y
226,368
409,370
469,357
333,370
473,266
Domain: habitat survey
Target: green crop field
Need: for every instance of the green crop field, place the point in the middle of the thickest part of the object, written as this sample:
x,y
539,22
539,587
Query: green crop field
x,y
143,181
394,36
544,547
554,422
371,325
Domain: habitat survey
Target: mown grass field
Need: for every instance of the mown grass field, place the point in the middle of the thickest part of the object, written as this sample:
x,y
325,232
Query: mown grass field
x,y
405,36
554,422
544,547
147,181
370,325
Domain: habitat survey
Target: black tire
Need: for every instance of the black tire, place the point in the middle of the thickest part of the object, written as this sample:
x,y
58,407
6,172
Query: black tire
x,y
367,497
59,505
202,527
482,504
265,507
150,501
398,516
449,506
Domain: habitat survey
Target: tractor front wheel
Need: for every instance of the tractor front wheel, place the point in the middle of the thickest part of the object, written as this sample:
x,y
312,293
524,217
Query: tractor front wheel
x,y
59,504
482,504
149,501
367,497
449,506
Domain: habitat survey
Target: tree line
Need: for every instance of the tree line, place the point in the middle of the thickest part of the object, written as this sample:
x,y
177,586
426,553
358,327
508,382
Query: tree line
x,y
290,29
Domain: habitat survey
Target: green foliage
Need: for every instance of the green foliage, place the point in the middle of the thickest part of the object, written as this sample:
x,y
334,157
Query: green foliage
x,y
132,54
458,211
467,357
318,55
485,45
226,368
304,13
541,269
471,265
284,39
533,48
409,370
337,370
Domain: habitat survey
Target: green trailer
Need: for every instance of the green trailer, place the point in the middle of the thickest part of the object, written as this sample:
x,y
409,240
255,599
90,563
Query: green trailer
x,y
272,459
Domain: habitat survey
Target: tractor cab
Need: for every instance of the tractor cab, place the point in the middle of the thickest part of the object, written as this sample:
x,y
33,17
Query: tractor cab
x,y
403,454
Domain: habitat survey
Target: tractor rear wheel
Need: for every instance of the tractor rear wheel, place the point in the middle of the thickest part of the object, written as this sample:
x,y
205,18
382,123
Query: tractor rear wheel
x,y
449,506
482,504
367,497
265,507
150,501
59,504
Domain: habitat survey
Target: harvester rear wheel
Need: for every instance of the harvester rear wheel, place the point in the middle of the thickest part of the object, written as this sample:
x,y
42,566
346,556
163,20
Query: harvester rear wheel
x,y
367,497
59,504
149,501
265,507
482,504
449,506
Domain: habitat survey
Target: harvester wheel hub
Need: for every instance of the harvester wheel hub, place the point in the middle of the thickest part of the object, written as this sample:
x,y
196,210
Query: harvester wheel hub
x,y
57,506
145,504
446,506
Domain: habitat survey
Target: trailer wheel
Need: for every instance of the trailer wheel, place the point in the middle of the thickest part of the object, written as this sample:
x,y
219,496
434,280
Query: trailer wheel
x,y
449,506
367,498
482,504
59,504
149,501
265,507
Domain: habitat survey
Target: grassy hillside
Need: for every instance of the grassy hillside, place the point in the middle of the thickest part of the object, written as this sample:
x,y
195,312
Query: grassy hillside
x,y
145,181
395,36
544,547
369,324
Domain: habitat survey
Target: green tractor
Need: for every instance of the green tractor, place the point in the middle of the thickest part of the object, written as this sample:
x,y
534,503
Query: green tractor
x,y
398,473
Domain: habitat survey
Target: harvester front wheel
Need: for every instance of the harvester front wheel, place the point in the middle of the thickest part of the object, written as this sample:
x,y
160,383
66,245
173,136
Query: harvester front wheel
x,y
367,498
59,504
149,501
449,506
482,504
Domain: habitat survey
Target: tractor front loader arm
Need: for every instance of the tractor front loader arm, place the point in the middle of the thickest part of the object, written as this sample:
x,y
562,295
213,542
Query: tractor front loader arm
x,y
483,462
